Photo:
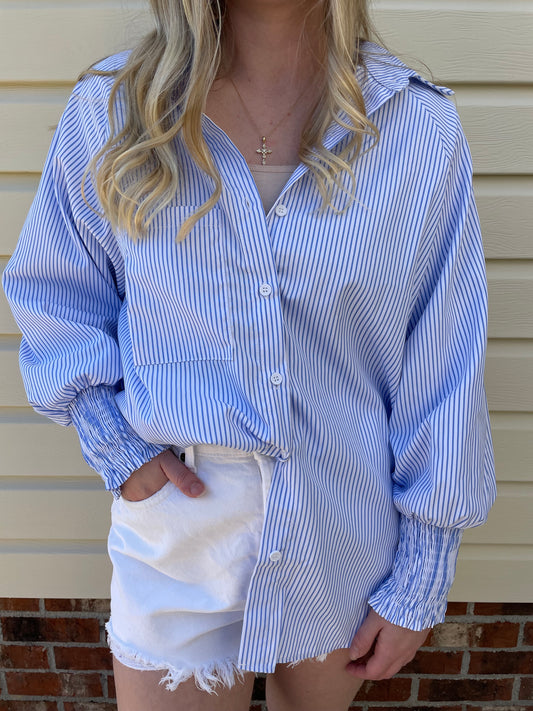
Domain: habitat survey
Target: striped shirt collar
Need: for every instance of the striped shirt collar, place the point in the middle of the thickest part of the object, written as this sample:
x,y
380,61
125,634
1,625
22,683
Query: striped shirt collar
x,y
381,77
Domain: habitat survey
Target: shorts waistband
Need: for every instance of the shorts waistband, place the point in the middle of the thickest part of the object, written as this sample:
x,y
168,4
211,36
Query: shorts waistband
x,y
217,450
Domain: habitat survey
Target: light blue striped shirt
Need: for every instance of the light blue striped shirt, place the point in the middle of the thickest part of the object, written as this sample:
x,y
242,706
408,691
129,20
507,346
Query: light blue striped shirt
x,y
348,346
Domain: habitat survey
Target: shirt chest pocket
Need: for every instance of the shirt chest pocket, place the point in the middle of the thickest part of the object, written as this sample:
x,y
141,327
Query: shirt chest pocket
x,y
177,291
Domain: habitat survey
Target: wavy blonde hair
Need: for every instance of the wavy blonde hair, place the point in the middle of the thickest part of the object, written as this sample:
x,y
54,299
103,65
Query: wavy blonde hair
x,y
165,83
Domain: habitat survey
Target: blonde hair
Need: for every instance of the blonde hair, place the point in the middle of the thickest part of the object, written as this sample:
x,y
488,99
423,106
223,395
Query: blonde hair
x,y
164,85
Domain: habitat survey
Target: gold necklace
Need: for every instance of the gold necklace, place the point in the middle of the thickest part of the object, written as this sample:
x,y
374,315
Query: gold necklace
x,y
263,151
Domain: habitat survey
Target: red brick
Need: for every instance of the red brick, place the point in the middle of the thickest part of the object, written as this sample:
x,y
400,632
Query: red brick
x,y
92,658
526,689
89,706
16,656
474,634
19,604
28,706
33,684
434,663
395,689
503,608
465,689
61,629
112,692
420,708
501,662
76,605
528,633
456,608
495,634
492,707
80,684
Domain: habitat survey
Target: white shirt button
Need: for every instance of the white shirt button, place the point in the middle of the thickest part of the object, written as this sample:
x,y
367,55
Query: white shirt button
x,y
281,210
265,289
275,556
276,378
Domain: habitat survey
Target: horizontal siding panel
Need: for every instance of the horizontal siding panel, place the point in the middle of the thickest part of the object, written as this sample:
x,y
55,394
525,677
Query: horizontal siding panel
x,y
16,195
53,513
31,448
509,520
28,124
506,213
453,42
458,43
493,574
11,387
511,313
28,128
41,449
510,301
31,510
53,44
505,208
500,136
513,445
508,377
46,569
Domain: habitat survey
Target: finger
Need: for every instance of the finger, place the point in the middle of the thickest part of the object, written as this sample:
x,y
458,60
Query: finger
x,y
365,636
186,480
381,663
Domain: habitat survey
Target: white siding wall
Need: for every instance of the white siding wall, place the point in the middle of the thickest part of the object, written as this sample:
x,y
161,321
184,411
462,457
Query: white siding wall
x,y
54,514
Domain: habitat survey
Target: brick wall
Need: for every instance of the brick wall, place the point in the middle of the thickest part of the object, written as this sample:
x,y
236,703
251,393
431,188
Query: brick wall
x,y
53,657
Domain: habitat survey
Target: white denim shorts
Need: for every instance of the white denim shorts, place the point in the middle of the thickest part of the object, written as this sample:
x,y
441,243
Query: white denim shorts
x,y
182,568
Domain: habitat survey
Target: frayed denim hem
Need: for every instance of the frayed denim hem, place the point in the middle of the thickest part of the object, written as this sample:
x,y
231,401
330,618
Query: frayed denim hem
x,y
207,677
320,658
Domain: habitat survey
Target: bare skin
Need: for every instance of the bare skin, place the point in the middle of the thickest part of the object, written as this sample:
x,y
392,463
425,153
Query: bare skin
x,y
271,66
310,686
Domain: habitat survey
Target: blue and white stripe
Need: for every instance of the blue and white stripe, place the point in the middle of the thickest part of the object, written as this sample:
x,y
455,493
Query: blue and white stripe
x,y
360,370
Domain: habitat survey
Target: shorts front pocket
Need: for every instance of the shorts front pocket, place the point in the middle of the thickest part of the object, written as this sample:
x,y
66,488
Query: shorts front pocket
x,y
152,500
201,551
176,292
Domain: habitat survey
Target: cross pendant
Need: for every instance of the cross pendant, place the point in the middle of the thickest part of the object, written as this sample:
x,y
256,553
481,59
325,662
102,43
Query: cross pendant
x,y
263,151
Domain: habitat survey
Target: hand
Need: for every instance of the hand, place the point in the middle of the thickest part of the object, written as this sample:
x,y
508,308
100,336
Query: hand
x,y
153,475
394,647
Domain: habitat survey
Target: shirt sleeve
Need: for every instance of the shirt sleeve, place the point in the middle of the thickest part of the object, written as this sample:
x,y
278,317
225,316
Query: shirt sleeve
x,y
443,476
65,287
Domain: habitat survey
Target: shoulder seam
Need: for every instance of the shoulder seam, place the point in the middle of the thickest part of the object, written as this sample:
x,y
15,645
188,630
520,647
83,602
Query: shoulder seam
x,y
436,124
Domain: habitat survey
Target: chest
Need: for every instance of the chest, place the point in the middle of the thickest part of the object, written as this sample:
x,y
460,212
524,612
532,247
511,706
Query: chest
x,y
247,121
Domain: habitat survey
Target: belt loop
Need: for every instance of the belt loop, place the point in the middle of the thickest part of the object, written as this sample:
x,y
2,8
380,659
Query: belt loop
x,y
190,458
266,465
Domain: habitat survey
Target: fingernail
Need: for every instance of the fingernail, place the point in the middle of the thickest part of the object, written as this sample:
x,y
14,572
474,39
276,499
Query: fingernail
x,y
197,488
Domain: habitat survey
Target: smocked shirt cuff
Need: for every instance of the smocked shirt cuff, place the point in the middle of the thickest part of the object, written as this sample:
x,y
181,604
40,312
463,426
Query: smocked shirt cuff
x,y
108,442
415,595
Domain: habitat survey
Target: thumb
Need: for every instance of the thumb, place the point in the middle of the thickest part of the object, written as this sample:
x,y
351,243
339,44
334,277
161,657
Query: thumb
x,y
186,480
365,636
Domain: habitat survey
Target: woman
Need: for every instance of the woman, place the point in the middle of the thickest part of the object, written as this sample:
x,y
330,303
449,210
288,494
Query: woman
x,y
311,346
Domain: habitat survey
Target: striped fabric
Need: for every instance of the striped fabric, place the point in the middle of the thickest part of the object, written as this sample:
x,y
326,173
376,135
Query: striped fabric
x,y
349,346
